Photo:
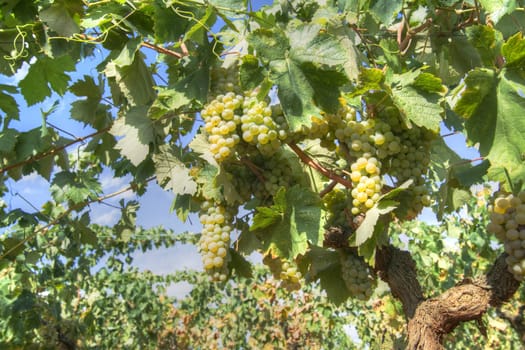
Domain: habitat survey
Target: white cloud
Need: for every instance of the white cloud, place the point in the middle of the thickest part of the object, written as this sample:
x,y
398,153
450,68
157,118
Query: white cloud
x,y
20,73
105,217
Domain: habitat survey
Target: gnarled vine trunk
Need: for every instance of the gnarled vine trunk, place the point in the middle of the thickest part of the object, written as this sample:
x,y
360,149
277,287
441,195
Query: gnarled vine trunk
x,y
430,319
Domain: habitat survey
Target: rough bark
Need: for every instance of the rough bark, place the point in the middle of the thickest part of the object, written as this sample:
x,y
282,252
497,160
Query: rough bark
x,y
398,269
429,320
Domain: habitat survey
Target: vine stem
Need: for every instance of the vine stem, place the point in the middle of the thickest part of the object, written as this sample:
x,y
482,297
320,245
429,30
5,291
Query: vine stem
x,y
315,165
51,152
78,206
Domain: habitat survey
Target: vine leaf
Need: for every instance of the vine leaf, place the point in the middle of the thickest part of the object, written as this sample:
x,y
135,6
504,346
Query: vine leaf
x,y
498,8
299,60
46,74
514,51
58,18
201,145
287,226
134,81
7,102
136,132
493,106
418,97
171,172
325,265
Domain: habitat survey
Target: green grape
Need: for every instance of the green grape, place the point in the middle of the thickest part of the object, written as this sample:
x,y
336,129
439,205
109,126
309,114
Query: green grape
x,y
285,271
215,239
357,276
508,225
260,126
220,123
336,204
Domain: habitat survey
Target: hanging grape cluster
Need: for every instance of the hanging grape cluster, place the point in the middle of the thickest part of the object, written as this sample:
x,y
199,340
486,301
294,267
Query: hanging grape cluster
x,y
374,147
507,222
285,271
357,277
232,116
215,239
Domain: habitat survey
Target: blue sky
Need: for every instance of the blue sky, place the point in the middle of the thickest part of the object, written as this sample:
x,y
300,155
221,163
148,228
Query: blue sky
x,y
32,190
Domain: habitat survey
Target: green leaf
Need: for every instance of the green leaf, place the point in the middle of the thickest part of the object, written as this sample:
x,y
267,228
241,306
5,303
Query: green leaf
x,y
295,93
266,217
239,264
496,120
127,54
366,230
441,158
206,178
224,180
171,172
194,86
8,138
514,51
309,45
134,81
294,220
369,79
269,44
7,101
136,132
200,145
199,28
386,11
168,25
484,39
46,74
429,83
250,72
498,8
89,111
182,206
391,52
326,266
74,187
420,107
477,85
58,18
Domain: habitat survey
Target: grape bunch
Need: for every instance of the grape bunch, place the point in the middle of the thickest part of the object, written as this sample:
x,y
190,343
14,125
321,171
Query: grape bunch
x,y
285,271
232,116
220,123
259,127
224,79
357,277
507,222
215,239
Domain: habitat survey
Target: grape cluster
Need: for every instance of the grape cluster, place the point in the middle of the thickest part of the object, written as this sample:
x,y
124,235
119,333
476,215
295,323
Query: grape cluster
x,y
357,277
259,126
224,79
285,271
232,116
411,163
215,239
507,222
221,122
